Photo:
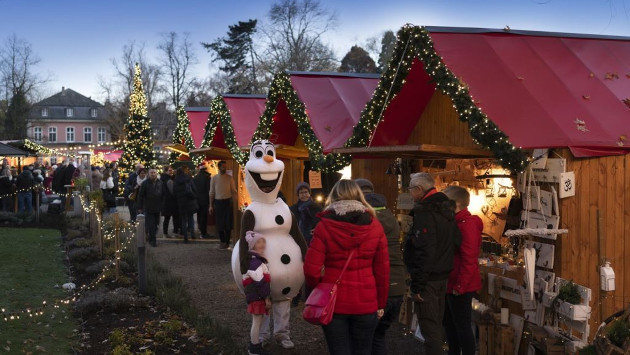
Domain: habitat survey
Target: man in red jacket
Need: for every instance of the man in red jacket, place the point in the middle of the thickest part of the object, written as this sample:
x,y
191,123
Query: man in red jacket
x,y
465,279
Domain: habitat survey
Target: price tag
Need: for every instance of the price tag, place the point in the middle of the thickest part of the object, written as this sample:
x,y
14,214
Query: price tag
x,y
315,179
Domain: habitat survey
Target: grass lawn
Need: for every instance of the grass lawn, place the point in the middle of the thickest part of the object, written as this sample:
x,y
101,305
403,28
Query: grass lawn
x,y
31,264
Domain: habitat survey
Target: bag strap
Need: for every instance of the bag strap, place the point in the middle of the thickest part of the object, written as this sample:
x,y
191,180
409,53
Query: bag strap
x,y
345,267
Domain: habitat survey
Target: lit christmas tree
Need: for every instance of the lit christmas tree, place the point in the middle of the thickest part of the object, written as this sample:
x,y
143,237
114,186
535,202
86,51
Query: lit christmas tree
x,y
138,145
183,136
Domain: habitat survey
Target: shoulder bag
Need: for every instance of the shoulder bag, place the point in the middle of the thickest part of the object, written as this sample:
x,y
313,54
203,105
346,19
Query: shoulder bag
x,y
320,305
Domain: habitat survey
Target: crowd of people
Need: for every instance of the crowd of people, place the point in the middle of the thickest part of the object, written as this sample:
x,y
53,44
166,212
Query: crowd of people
x,y
355,241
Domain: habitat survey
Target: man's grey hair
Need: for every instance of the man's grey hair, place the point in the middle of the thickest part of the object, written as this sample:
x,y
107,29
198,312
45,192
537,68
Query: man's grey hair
x,y
424,180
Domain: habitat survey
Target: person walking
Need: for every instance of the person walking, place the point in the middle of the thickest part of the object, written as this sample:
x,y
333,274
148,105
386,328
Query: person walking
x,y
428,255
186,193
7,183
130,190
115,176
97,176
397,271
107,188
465,278
149,203
202,184
57,181
221,191
349,232
24,185
169,202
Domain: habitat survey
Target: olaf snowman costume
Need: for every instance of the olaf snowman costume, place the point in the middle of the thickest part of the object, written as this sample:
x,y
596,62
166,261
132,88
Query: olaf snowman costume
x,y
286,247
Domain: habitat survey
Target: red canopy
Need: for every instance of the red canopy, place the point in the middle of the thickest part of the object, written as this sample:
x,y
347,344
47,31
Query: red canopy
x,y
546,90
245,111
109,155
333,103
198,117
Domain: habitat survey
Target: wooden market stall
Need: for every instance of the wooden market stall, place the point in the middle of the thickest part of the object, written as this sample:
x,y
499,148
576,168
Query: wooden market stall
x,y
231,122
555,106
307,115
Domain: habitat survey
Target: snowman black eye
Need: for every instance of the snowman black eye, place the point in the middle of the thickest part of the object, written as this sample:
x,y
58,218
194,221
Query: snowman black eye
x,y
259,154
270,152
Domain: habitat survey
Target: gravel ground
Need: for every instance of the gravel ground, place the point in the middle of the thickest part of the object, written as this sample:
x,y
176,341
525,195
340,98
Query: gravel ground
x,y
206,272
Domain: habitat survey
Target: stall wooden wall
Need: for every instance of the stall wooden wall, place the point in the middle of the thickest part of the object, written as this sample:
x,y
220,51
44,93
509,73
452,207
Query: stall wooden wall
x,y
602,184
374,170
293,175
440,125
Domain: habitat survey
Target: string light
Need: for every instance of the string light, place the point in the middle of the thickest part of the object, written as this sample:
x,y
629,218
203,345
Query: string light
x,y
220,114
182,135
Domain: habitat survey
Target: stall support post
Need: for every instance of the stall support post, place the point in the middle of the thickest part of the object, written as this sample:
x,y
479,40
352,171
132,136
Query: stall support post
x,y
37,202
142,279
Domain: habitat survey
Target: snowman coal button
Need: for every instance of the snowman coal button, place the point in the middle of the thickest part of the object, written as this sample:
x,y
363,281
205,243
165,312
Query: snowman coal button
x,y
286,290
279,219
285,259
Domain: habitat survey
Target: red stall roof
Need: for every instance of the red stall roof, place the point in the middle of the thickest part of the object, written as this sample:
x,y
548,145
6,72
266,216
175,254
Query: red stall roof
x,y
333,103
198,117
546,89
245,111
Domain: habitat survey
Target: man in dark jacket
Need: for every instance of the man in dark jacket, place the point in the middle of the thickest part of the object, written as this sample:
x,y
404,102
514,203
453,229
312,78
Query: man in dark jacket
x,y
24,184
169,201
397,272
428,254
57,182
305,211
202,184
130,185
149,201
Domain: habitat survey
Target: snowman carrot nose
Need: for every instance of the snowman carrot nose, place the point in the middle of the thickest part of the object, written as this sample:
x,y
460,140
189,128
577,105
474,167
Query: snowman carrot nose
x,y
268,158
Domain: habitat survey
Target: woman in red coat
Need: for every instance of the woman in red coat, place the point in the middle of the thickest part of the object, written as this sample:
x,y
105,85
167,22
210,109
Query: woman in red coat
x,y
348,224
464,279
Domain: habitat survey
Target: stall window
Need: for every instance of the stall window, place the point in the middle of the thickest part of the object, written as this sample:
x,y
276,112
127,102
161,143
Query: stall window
x,y
52,134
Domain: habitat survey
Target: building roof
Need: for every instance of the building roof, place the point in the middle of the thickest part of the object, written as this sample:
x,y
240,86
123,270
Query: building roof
x,y
8,151
69,98
542,90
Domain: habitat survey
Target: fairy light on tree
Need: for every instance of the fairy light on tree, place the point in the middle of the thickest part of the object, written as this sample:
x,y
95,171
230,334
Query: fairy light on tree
x,y
138,146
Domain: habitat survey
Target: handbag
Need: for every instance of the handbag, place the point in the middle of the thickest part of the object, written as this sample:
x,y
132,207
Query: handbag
x,y
320,305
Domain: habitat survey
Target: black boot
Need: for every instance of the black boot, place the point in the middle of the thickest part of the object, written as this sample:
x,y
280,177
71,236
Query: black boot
x,y
256,349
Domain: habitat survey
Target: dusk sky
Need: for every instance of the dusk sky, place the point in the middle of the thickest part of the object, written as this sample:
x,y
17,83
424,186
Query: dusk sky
x,y
76,39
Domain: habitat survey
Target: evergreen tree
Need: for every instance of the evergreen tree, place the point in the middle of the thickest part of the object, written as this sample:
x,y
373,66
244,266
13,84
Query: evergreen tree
x,y
138,145
234,51
357,61
388,42
183,136
16,116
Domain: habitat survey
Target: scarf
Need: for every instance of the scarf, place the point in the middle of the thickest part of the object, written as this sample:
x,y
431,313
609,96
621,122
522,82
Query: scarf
x,y
139,181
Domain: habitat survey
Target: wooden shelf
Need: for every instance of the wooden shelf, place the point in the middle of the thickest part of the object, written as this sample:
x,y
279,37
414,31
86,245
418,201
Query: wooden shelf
x,y
419,151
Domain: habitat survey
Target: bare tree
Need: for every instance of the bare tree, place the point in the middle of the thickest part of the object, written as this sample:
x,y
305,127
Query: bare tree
x,y
177,55
294,37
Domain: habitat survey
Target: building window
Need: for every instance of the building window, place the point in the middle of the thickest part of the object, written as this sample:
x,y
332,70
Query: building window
x,y
37,134
44,111
87,134
93,112
69,134
101,134
69,112
52,134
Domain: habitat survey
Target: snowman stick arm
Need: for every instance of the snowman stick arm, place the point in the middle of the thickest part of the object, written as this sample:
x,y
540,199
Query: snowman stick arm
x,y
297,235
247,224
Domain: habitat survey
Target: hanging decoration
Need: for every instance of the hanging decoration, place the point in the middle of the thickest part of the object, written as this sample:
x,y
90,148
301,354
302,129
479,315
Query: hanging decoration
x,y
138,146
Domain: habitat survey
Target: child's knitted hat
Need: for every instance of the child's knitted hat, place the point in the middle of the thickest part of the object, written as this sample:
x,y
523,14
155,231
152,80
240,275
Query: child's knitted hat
x,y
251,238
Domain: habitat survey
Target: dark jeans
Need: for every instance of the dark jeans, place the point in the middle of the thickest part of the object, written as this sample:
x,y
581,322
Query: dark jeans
x,y
133,213
187,225
350,334
430,315
224,237
202,219
458,324
151,222
7,204
25,201
176,223
392,309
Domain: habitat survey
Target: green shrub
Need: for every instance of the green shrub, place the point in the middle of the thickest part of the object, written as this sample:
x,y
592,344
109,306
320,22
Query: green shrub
x,y
570,293
117,337
619,332
122,350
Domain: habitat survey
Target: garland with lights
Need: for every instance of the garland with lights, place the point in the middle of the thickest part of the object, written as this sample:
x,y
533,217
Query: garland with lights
x,y
138,143
220,114
182,135
281,89
415,42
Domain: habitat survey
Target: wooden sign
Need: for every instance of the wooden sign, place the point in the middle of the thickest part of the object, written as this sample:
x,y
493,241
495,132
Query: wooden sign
x,y
544,254
567,184
510,289
552,171
315,179
540,158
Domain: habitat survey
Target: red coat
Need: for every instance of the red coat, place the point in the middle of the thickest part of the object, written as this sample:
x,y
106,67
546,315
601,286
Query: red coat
x,y
365,284
465,276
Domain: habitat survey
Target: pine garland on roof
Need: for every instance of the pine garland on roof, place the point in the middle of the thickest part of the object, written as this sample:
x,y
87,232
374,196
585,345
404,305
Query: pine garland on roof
x,y
182,135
